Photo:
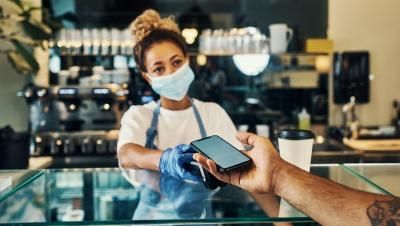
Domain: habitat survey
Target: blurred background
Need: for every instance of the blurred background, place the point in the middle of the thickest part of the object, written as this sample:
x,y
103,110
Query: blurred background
x,y
328,66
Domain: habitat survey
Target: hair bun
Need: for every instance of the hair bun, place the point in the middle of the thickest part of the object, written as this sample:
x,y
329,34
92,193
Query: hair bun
x,y
149,21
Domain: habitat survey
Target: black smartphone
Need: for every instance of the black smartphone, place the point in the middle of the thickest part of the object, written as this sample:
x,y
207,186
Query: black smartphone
x,y
226,156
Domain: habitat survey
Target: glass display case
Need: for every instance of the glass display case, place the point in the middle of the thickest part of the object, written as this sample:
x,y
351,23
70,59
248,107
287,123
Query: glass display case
x,y
91,195
13,180
108,197
384,177
25,200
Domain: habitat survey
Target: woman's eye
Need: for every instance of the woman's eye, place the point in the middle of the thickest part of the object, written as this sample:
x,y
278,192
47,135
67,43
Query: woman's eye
x,y
158,70
177,63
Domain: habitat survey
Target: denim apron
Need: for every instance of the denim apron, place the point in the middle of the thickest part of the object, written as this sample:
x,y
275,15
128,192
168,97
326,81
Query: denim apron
x,y
151,204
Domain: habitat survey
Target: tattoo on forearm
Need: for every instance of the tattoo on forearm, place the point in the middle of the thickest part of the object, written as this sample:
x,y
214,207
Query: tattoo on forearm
x,y
385,213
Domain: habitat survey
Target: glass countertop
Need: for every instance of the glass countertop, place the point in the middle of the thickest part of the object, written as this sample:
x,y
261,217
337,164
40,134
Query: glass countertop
x,y
19,179
105,196
385,177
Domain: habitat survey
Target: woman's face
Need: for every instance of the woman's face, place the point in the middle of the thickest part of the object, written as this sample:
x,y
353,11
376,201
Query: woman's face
x,y
163,58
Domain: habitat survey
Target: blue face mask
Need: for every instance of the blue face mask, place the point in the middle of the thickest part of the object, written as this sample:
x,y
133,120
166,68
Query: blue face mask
x,y
173,86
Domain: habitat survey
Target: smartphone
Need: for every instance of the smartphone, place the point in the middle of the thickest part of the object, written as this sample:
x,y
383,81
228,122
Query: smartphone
x,y
226,156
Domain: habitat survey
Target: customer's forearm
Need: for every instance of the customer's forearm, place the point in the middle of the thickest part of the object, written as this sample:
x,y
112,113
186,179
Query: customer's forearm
x,y
330,203
138,157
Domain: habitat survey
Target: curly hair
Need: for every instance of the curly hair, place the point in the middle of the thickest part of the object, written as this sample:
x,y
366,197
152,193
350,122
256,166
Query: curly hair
x,y
149,28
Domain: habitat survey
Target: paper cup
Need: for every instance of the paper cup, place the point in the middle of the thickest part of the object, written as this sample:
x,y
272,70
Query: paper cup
x,y
295,146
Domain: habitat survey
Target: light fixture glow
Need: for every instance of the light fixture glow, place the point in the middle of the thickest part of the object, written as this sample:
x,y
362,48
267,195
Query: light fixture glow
x,y
106,106
72,107
320,139
59,142
190,35
201,60
251,64
252,100
41,92
323,64
371,77
38,139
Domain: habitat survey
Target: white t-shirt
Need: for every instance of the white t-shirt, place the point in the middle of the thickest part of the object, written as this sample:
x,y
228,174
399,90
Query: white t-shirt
x,y
174,127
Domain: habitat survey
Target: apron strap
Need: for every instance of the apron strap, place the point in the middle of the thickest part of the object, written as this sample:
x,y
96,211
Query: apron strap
x,y
199,120
151,133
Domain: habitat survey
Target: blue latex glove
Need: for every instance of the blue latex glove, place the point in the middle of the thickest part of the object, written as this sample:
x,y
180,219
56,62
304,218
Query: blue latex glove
x,y
149,196
176,162
190,200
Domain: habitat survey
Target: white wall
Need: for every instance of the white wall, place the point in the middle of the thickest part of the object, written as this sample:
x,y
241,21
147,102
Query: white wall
x,y
13,110
370,25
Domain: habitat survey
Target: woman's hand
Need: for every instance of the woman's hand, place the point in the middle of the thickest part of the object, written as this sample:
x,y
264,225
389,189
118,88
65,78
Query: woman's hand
x,y
176,161
260,177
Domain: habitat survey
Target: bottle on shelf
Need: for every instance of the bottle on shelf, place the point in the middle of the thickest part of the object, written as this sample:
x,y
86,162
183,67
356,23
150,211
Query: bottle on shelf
x,y
304,120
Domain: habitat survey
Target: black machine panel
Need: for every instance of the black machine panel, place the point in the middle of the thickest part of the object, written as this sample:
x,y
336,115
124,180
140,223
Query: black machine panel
x,y
351,77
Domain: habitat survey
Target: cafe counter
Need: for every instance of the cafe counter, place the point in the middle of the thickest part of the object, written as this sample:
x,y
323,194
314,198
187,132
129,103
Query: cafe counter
x,y
106,196
328,152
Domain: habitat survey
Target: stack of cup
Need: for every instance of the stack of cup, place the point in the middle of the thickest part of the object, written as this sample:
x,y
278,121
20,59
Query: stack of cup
x,y
262,130
243,128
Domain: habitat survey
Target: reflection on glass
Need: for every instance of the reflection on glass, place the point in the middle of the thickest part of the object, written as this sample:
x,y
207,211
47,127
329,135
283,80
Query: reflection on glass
x,y
384,177
26,204
99,196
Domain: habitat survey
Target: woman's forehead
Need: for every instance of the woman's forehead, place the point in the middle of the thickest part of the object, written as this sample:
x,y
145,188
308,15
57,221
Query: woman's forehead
x,y
162,51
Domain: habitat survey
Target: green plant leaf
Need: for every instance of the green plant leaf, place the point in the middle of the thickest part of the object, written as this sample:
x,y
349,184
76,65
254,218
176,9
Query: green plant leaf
x,y
26,54
8,27
30,9
19,63
24,32
10,7
40,25
24,39
18,3
36,29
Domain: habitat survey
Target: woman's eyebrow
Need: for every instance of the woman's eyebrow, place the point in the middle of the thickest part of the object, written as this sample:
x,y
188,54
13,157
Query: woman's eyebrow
x,y
156,63
173,57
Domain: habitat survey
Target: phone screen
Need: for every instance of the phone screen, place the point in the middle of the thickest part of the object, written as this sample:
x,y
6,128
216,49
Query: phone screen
x,y
223,153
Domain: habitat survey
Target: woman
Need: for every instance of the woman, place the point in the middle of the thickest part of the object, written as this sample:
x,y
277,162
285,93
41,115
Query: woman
x,y
156,135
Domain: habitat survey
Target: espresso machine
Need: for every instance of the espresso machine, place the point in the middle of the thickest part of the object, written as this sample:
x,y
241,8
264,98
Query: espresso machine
x,y
67,122
75,118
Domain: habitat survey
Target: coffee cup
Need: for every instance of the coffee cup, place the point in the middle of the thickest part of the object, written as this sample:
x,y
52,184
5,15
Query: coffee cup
x,y
295,147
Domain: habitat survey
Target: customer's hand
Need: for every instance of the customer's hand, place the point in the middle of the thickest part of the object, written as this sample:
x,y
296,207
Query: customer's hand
x,y
176,162
260,176
189,199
